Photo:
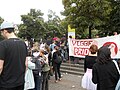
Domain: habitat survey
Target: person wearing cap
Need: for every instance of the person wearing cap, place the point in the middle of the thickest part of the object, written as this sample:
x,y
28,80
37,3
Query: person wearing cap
x,y
13,53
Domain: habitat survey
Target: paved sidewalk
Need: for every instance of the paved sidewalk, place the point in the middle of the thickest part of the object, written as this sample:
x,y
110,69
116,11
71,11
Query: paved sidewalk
x,y
68,82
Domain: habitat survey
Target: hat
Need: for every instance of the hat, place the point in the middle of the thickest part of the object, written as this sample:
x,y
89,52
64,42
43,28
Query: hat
x,y
5,25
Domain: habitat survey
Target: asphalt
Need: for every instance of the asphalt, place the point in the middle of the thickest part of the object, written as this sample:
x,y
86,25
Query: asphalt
x,y
68,82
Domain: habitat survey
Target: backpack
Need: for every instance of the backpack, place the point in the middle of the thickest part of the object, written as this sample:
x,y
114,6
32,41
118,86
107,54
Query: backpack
x,y
37,65
58,59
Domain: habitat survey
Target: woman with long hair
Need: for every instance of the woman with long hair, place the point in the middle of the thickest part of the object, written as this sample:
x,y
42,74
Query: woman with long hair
x,y
45,70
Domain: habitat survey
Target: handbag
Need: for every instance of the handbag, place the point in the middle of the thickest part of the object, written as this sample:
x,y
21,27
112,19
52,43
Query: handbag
x,y
86,82
51,71
45,68
118,83
29,78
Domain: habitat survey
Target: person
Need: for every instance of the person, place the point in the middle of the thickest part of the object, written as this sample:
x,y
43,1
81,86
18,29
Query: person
x,y
105,73
115,33
52,45
72,58
88,64
48,55
13,53
38,67
45,70
57,63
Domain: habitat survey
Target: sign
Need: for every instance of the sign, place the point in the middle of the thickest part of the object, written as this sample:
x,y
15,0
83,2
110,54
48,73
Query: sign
x,y
80,48
71,32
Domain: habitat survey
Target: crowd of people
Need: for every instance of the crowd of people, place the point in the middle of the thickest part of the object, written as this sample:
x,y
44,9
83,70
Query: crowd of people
x,y
47,60
29,68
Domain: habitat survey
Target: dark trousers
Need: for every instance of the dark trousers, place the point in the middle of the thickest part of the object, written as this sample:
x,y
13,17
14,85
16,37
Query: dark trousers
x,y
38,82
45,80
57,70
72,59
21,87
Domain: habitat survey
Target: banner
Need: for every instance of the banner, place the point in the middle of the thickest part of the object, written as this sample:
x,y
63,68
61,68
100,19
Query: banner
x,y
80,48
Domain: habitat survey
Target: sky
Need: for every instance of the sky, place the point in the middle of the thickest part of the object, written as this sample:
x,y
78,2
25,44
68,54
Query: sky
x,y
10,10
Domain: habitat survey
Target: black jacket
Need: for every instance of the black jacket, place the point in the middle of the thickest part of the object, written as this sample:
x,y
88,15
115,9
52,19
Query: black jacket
x,y
105,76
89,62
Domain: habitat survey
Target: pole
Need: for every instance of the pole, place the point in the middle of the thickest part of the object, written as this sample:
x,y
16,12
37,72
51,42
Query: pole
x,y
90,28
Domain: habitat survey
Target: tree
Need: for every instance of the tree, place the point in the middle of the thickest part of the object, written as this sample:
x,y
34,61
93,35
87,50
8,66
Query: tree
x,y
1,20
84,14
114,23
54,25
33,25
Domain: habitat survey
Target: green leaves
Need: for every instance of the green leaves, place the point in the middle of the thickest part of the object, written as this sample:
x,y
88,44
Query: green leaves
x,y
1,20
81,13
114,23
33,24
35,27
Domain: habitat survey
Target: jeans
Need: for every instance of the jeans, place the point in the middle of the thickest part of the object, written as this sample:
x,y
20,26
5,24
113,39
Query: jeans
x,y
38,82
45,80
57,70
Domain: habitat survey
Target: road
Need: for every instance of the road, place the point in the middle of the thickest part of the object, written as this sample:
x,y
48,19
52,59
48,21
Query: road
x,y
68,82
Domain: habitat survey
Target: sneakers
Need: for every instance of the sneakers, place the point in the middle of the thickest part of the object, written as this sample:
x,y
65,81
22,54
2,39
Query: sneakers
x,y
56,81
60,79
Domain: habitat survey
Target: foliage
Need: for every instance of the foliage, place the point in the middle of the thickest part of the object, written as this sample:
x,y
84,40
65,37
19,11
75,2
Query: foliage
x,y
1,20
81,14
33,25
114,23
55,25
100,16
